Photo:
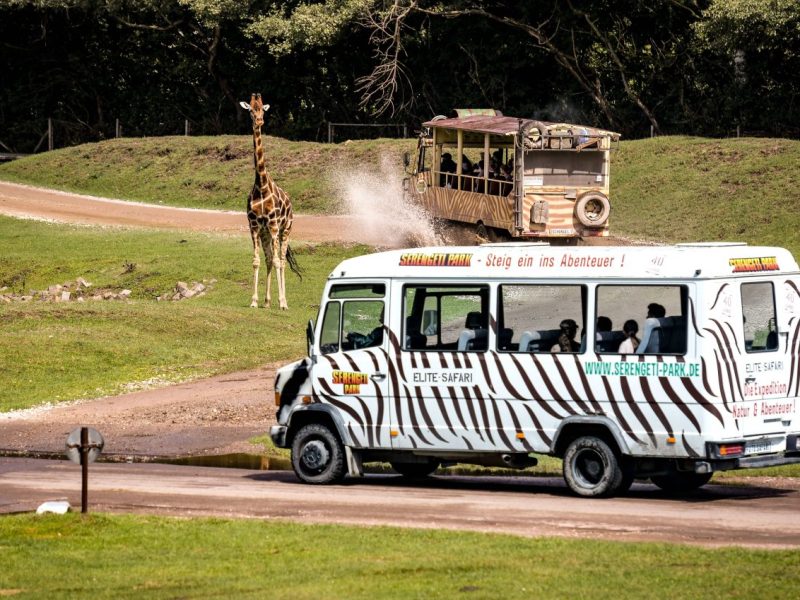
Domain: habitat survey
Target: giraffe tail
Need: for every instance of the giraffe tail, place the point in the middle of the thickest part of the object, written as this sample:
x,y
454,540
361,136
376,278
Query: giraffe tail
x,y
292,260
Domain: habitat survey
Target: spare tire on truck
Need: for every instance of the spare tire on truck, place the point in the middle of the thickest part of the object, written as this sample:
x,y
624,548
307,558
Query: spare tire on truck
x,y
592,209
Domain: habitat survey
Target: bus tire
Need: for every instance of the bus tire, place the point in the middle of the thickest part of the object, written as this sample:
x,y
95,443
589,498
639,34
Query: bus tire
x,y
481,234
592,209
318,455
591,468
416,470
678,481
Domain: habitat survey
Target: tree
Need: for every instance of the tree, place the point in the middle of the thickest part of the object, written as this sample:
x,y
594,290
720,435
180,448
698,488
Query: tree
x,y
749,63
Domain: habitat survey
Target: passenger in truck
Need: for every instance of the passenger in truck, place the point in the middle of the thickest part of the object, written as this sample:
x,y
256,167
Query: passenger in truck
x,y
448,166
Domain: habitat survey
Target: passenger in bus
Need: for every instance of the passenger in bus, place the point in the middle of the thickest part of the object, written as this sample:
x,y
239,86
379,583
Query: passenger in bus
x,y
656,311
566,341
604,324
373,338
631,342
448,166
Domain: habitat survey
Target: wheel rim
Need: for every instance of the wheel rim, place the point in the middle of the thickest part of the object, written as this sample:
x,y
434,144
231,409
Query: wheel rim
x,y
593,210
315,456
588,468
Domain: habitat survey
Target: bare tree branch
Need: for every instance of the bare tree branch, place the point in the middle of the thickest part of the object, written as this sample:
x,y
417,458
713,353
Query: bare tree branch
x,y
382,86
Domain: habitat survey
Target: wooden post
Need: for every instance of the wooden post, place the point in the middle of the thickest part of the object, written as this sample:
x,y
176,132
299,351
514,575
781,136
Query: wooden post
x,y
652,131
405,131
459,152
186,127
737,131
84,470
486,161
117,130
330,132
49,133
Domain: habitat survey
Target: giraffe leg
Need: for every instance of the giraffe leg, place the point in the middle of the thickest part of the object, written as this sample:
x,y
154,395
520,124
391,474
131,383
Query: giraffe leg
x,y
284,246
276,262
256,263
269,253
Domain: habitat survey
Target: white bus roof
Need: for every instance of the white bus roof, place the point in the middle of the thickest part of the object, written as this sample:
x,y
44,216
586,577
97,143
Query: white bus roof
x,y
514,260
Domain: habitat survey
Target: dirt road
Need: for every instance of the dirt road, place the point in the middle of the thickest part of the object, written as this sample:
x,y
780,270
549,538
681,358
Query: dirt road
x,y
217,415
762,516
38,203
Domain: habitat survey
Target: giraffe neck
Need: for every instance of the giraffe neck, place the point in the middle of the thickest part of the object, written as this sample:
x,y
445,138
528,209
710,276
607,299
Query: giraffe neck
x,y
263,182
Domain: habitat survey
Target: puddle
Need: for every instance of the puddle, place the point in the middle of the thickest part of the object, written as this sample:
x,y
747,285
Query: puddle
x,y
238,460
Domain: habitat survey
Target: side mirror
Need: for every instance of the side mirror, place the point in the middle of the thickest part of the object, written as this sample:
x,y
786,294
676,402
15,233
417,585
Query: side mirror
x,y
310,337
406,159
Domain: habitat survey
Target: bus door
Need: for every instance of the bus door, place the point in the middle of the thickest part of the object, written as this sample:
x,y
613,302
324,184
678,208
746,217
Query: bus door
x,y
351,372
440,398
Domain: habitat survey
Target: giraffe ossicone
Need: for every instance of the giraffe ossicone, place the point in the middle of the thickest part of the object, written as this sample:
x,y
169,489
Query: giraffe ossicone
x,y
269,215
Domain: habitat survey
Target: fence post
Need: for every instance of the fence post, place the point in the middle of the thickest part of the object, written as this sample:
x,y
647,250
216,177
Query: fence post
x,y
117,130
186,127
330,132
737,131
405,131
652,131
49,133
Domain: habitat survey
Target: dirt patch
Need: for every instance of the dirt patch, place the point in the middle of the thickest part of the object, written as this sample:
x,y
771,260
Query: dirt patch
x,y
217,415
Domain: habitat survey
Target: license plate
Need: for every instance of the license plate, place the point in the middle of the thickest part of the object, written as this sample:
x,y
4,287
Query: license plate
x,y
758,447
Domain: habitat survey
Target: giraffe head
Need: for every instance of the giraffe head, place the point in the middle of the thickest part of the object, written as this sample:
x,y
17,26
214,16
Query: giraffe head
x,y
256,108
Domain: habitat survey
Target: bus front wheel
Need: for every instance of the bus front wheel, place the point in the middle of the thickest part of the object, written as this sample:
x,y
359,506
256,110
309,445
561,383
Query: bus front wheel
x,y
318,455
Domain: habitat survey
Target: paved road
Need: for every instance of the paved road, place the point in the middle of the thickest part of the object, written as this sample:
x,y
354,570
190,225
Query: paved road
x,y
764,515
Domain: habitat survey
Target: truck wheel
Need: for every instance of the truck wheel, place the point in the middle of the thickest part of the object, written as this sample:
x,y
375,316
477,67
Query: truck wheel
x,y
317,455
415,470
591,468
681,482
592,209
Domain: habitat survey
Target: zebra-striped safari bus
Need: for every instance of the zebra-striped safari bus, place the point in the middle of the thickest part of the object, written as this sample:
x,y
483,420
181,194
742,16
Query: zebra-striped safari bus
x,y
513,178
667,363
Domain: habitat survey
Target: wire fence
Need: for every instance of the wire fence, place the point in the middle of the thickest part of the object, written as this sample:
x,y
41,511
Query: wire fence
x,y
58,133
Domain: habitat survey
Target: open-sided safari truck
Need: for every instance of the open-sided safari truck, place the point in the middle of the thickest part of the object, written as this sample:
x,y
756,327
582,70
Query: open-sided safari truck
x,y
512,177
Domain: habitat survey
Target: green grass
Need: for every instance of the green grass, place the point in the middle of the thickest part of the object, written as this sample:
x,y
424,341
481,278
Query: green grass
x,y
61,351
669,189
201,172
134,556
679,189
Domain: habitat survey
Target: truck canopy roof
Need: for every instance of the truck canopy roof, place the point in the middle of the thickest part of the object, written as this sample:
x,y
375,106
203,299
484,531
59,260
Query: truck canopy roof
x,y
519,260
502,125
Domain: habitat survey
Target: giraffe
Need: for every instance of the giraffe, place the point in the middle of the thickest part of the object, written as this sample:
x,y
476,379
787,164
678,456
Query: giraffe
x,y
269,214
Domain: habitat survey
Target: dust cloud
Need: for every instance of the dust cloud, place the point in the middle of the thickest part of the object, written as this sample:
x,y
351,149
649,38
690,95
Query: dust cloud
x,y
375,198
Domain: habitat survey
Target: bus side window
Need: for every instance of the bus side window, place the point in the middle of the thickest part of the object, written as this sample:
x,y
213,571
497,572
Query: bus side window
x,y
641,319
352,318
541,318
758,317
446,318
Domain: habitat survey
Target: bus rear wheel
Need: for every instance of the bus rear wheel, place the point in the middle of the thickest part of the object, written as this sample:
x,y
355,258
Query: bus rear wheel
x,y
592,469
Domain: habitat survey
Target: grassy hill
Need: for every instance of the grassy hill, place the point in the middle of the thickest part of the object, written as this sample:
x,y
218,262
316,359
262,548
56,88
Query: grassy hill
x,y
665,189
